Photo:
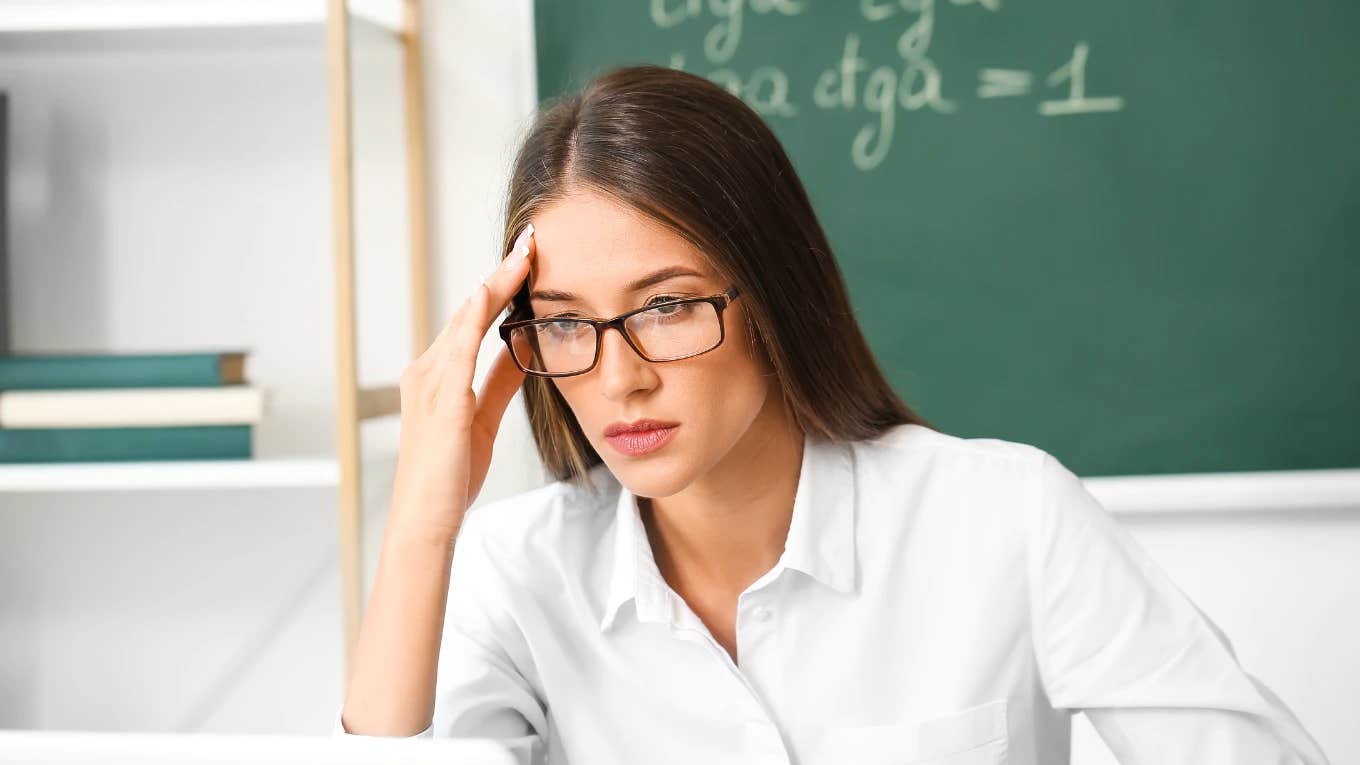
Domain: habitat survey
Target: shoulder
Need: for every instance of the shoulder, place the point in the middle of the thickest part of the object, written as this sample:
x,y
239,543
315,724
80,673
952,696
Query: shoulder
x,y
916,450
916,474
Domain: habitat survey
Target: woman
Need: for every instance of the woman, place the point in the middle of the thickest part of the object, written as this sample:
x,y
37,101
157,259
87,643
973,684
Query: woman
x,y
754,551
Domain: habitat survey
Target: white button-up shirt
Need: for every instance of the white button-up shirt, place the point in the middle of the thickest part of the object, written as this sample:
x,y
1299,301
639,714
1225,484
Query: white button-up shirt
x,y
939,600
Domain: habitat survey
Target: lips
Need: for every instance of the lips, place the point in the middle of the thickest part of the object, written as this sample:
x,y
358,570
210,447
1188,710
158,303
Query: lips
x,y
638,425
641,437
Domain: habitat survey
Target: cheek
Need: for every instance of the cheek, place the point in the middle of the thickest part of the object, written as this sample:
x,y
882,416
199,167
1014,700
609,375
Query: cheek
x,y
742,355
730,377
575,390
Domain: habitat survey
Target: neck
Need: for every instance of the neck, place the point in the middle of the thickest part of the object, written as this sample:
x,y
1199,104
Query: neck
x,y
725,530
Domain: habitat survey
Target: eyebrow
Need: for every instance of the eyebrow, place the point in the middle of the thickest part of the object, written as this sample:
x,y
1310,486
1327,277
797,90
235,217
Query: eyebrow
x,y
656,277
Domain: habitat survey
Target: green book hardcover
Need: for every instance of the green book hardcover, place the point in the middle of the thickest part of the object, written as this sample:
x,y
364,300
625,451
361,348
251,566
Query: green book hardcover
x,y
52,371
209,442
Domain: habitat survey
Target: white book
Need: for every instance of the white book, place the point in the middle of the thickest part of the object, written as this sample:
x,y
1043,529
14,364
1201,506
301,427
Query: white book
x,y
131,407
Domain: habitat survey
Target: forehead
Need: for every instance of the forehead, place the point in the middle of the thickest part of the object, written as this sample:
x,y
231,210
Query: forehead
x,y
592,246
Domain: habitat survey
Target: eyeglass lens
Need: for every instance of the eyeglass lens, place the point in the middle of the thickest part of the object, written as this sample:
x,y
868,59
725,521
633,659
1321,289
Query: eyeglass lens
x,y
666,332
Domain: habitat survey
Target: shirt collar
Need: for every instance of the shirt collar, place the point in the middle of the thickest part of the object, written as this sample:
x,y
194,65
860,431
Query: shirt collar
x,y
820,543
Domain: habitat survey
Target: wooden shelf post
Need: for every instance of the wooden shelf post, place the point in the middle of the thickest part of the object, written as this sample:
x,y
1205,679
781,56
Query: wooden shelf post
x,y
353,405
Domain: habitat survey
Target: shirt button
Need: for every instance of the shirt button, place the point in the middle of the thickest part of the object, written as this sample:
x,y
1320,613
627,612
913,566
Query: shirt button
x,y
763,614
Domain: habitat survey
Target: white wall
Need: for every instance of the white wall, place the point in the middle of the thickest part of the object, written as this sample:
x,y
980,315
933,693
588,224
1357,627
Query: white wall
x,y
1282,585
172,193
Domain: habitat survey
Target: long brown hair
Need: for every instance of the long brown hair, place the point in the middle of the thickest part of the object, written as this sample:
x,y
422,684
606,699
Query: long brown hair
x,y
695,158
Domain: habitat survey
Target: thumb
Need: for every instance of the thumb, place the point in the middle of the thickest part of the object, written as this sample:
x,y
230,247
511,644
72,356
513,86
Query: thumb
x,y
503,379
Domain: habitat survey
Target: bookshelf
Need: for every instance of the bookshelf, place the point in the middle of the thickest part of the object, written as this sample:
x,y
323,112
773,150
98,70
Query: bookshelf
x,y
298,473
344,469
90,15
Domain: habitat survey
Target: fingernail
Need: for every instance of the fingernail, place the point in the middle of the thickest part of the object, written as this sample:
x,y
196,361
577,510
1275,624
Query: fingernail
x,y
521,247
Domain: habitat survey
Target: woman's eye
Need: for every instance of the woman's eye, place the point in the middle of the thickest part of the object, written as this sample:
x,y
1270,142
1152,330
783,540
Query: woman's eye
x,y
564,327
560,322
673,311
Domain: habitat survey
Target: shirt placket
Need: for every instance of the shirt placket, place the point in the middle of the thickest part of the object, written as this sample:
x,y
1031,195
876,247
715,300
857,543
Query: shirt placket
x,y
754,623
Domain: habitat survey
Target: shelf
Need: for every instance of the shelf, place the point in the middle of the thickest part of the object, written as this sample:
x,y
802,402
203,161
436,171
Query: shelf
x,y
315,472
1201,492
109,15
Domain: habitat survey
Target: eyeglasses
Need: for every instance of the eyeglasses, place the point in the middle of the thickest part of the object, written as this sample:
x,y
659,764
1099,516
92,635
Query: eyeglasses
x,y
562,346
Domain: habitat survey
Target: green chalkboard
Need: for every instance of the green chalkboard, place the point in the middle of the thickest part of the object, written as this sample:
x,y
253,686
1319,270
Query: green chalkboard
x,y
1126,232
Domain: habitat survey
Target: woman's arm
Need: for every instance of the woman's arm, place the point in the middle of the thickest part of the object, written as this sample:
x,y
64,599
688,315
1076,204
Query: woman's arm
x,y
1116,638
391,691
447,434
479,688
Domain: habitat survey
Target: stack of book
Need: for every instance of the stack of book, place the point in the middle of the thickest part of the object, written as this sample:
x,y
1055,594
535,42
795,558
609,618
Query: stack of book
x,y
119,407
4,223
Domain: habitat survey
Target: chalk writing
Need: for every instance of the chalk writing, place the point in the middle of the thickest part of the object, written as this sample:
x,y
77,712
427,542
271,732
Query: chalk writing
x,y
1074,72
1000,83
722,39
911,82
766,90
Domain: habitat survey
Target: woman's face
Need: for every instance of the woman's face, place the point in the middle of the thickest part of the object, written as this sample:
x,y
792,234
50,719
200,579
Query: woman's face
x,y
589,249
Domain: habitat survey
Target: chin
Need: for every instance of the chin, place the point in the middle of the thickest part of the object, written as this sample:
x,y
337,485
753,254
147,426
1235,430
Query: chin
x,y
655,477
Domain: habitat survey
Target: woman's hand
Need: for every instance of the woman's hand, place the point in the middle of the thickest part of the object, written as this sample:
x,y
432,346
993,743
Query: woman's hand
x,y
447,431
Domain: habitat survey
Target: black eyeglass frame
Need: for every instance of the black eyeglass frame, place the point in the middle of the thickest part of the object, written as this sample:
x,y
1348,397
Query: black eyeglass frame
x,y
719,303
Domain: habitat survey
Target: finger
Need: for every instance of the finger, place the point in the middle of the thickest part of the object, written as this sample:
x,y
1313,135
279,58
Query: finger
x,y
502,283
502,381
459,359
433,355
464,343
434,351
505,281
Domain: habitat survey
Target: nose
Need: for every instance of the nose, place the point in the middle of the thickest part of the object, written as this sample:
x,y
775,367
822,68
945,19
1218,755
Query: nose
x,y
621,371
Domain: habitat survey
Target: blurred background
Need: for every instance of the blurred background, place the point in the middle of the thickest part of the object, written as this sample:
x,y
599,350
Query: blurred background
x,y
170,192
1126,233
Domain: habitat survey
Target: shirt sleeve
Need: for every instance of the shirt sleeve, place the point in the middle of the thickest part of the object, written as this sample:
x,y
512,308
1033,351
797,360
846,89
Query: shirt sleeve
x,y
480,690
1116,639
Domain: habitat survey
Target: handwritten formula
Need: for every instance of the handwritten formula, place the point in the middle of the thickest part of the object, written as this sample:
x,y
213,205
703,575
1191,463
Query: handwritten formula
x,y
912,83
